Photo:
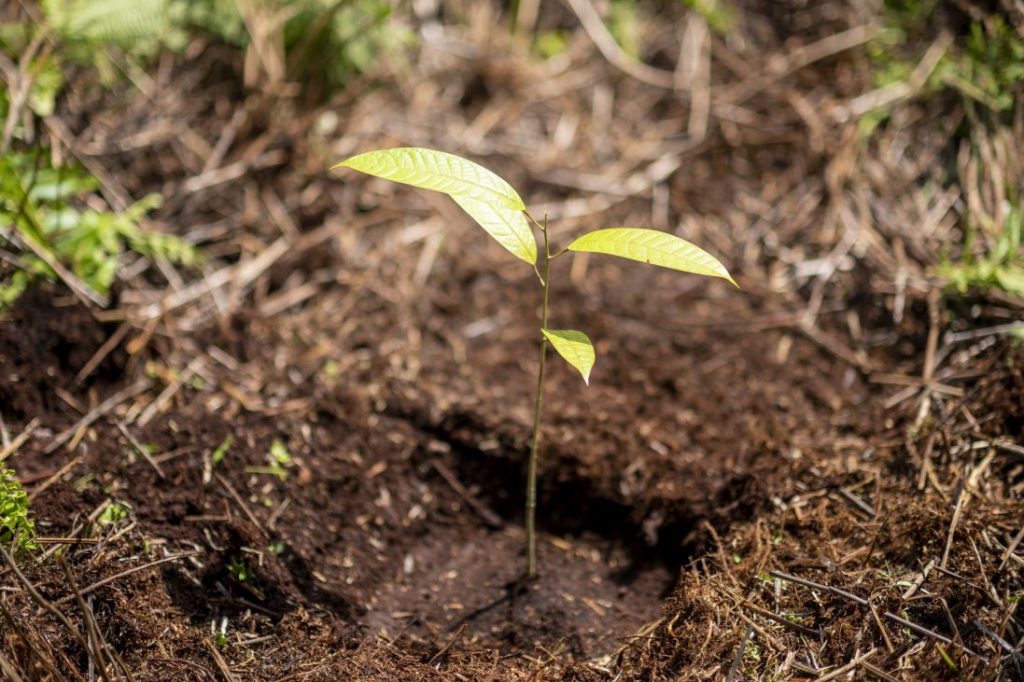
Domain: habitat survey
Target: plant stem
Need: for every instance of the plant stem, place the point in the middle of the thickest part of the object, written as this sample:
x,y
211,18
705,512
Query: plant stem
x,y
531,476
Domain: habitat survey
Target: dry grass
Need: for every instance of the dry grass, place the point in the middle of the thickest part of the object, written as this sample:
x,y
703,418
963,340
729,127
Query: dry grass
x,y
893,556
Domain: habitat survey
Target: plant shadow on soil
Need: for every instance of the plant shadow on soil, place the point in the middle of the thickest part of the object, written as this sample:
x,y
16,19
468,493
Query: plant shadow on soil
x,y
599,580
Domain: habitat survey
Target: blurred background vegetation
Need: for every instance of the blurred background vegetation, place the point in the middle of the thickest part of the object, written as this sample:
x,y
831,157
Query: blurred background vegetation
x,y
966,60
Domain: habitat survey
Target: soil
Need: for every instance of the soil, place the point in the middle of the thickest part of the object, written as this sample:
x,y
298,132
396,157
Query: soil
x,y
398,519
332,487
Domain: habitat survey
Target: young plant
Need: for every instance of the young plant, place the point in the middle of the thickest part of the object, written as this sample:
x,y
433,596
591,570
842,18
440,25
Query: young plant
x,y
499,210
16,528
48,223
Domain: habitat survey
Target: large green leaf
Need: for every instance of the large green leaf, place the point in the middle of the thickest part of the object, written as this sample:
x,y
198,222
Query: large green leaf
x,y
654,247
506,225
574,347
439,171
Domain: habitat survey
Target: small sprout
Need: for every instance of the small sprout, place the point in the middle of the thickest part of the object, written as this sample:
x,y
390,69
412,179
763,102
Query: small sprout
x,y
279,458
331,370
220,634
276,548
947,658
222,450
15,526
280,453
112,514
241,571
498,209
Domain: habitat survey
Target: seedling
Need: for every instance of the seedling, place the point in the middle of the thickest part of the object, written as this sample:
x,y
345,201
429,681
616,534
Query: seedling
x,y
55,229
222,450
499,210
112,514
240,570
279,458
16,528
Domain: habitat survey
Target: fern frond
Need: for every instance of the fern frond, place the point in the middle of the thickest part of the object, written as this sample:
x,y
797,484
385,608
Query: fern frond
x,y
137,26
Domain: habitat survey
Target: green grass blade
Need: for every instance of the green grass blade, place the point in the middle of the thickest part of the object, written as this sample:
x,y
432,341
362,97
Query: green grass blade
x,y
507,226
654,247
574,347
438,171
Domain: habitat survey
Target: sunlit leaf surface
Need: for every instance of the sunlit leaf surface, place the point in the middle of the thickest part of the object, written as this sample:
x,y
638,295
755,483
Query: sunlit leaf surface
x,y
654,247
439,171
506,225
574,347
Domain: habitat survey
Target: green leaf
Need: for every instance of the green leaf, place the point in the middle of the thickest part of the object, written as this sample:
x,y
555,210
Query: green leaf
x,y
439,171
279,452
574,347
654,247
508,226
113,513
222,450
53,184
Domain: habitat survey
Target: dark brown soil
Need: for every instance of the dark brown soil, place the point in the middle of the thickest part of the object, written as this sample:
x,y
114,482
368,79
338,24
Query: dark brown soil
x,y
732,443
399,516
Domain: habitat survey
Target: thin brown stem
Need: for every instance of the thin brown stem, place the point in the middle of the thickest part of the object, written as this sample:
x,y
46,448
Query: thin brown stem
x,y
531,476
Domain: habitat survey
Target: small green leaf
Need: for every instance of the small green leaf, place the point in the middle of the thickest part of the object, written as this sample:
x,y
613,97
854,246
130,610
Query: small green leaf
x,y
507,226
438,171
279,452
654,247
57,185
112,514
240,570
574,347
222,450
